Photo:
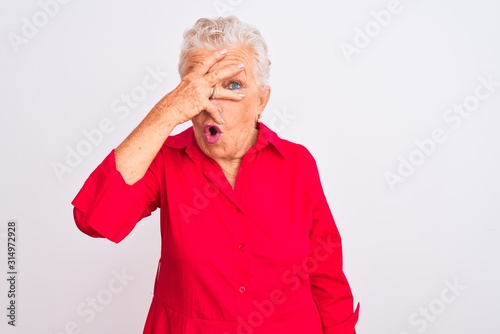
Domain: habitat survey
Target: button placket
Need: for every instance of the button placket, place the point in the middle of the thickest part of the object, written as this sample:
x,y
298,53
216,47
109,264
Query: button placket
x,y
242,265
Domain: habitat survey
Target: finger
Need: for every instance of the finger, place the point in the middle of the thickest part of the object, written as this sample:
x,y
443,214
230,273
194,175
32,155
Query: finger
x,y
222,73
227,94
206,63
214,112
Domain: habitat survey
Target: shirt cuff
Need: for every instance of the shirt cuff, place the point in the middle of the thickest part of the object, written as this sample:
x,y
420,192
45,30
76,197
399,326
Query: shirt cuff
x,y
108,205
346,327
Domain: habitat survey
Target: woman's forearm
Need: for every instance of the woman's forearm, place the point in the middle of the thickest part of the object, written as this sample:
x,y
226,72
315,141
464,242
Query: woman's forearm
x,y
135,154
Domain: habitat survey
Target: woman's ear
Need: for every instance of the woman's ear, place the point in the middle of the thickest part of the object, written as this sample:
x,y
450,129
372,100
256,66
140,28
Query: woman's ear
x,y
265,94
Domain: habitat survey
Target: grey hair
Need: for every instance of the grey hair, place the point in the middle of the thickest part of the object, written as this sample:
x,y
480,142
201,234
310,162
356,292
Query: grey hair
x,y
212,34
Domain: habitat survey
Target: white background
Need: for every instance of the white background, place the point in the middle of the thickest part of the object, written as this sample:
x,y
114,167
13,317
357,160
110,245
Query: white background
x,y
358,114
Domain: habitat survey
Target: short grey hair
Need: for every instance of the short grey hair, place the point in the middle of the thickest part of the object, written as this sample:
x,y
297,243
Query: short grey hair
x,y
213,34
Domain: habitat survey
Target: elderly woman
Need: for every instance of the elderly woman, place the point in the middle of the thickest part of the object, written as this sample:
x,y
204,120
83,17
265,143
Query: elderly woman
x,y
249,244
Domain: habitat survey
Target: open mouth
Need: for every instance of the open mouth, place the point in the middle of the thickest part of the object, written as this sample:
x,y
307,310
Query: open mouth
x,y
211,133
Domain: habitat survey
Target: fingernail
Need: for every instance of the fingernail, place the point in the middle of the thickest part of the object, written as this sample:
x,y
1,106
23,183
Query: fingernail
x,y
222,121
240,65
241,94
223,51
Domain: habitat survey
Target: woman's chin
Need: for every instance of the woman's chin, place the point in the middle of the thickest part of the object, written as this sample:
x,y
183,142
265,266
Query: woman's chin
x,y
213,150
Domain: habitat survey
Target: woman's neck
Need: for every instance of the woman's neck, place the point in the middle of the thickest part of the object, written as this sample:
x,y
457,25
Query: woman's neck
x,y
230,166
230,169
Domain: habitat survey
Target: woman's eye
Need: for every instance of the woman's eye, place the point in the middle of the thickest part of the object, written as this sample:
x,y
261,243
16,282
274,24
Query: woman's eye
x,y
233,85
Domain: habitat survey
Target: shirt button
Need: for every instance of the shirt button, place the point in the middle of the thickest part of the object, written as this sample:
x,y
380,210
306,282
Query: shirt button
x,y
242,289
241,247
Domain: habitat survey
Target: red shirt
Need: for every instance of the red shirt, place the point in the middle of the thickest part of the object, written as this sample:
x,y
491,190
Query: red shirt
x,y
264,257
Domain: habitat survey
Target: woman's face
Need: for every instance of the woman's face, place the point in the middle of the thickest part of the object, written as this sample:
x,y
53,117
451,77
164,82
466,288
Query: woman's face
x,y
238,133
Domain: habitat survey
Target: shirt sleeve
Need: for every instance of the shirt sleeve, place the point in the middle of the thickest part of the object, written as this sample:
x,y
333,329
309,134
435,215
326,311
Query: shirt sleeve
x,y
330,288
107,207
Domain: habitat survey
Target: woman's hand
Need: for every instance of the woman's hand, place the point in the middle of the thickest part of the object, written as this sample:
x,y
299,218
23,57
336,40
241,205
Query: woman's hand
x,y
192,95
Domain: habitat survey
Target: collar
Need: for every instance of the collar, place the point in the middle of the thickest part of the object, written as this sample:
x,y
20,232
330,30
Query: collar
x,y
266,136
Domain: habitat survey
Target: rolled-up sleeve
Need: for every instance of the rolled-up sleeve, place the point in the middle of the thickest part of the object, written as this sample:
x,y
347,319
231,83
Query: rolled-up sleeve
x,y
109,208
330,288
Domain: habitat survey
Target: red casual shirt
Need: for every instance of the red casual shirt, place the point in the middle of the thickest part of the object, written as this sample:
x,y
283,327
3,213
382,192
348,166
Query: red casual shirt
x,y
264,257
